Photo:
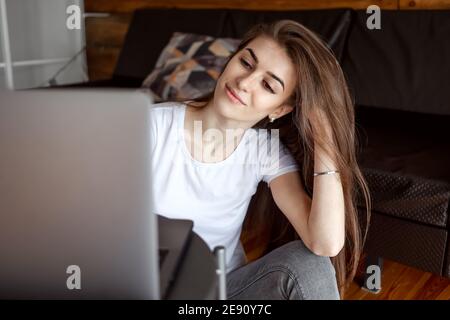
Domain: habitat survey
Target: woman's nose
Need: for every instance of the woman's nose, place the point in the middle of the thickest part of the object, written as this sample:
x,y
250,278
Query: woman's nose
x,y
246,82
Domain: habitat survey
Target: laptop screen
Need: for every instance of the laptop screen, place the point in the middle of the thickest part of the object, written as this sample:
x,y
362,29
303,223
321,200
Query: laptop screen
x,y
75,195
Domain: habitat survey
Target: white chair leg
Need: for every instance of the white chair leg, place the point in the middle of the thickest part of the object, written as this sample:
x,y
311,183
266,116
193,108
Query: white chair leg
x,y
221,272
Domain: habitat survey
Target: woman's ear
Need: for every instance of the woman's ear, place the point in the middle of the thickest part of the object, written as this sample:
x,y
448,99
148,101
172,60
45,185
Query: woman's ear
x,y
281,111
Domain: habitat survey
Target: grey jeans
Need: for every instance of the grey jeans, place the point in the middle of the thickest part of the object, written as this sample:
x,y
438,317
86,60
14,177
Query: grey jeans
x,y
290,272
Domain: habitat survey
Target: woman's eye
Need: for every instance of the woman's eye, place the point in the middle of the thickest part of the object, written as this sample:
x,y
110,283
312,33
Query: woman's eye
x,y
266,85
246,64
249,66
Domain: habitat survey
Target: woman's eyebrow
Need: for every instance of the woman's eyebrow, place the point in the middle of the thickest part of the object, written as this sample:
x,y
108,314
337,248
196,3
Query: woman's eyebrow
x,y
252,53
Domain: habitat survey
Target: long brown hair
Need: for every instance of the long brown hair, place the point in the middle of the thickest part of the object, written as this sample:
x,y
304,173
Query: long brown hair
x,y
320,84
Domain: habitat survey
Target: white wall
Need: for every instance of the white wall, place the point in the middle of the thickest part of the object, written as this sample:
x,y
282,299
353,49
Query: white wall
x,y
37,30
2,70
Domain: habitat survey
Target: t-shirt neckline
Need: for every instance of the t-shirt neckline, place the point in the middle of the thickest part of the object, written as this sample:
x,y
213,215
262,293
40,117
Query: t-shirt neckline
x,y
181,118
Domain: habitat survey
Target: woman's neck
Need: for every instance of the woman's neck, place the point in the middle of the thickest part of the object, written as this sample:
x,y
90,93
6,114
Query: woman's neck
x,y
210,119
208,131
213,119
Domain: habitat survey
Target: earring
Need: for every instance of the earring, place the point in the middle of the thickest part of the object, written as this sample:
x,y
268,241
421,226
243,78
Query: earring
x,y
272,119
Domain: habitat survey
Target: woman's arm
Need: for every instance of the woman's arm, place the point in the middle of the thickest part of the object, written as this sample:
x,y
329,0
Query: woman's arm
x,y
320,223
327,217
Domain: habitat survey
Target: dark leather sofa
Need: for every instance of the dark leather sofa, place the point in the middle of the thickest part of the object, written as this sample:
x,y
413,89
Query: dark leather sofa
x,y
400,78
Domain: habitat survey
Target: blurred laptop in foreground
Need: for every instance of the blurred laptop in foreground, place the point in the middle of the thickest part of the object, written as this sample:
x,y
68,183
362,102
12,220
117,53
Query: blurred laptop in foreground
x,y
76,217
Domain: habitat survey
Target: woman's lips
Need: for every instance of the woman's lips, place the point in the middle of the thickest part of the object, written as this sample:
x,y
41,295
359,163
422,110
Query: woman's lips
x,y
233,97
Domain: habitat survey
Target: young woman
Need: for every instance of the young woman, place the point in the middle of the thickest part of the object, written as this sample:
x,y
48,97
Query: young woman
x,y
281,77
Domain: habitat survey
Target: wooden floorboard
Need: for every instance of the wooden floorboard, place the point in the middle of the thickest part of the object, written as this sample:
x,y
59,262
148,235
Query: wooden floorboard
x,y
400,282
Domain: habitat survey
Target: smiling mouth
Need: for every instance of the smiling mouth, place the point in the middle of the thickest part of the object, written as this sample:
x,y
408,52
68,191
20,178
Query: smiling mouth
x,y
233,97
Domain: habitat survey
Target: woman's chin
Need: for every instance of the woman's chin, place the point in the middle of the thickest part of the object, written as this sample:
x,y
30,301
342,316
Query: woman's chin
x,y
227,109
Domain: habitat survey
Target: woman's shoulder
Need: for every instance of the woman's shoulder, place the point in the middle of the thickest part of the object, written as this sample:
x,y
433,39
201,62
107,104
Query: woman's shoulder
x,y
166,106
166,110
164,115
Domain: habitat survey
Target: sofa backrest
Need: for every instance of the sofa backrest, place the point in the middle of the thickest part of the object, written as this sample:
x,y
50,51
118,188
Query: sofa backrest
x,y
405,65
151,29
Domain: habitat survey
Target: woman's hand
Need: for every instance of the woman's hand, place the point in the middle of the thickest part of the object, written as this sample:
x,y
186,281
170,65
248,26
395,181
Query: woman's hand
x,y
320,221
327,219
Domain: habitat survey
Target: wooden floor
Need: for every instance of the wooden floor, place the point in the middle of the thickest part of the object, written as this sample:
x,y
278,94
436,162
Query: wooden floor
x,y
400,282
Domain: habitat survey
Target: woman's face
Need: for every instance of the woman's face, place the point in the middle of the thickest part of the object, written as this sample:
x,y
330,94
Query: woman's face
x,y
262,76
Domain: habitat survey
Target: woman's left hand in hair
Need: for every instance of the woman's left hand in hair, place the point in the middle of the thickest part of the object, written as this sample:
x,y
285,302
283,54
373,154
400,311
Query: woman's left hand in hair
x,y
318,221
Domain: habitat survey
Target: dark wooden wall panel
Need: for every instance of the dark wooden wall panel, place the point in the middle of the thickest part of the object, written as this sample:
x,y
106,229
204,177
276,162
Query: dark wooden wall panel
x,y
424,4
104,40
130,5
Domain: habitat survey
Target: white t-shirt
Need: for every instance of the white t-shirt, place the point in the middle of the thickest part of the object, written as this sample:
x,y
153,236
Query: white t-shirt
x,y
215,196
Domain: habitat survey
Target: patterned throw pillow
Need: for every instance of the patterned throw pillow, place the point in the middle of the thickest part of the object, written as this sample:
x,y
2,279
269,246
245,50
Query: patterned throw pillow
x,y
189,66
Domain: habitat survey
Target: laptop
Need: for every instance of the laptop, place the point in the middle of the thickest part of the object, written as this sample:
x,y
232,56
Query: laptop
x,y
76,218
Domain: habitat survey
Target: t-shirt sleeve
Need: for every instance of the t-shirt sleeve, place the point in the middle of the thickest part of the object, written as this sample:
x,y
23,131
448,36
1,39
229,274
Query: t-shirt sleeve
x,y
275,164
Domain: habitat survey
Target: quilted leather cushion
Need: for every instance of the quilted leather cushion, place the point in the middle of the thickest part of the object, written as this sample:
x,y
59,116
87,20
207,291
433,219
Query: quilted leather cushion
x,y
414,198
410,243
